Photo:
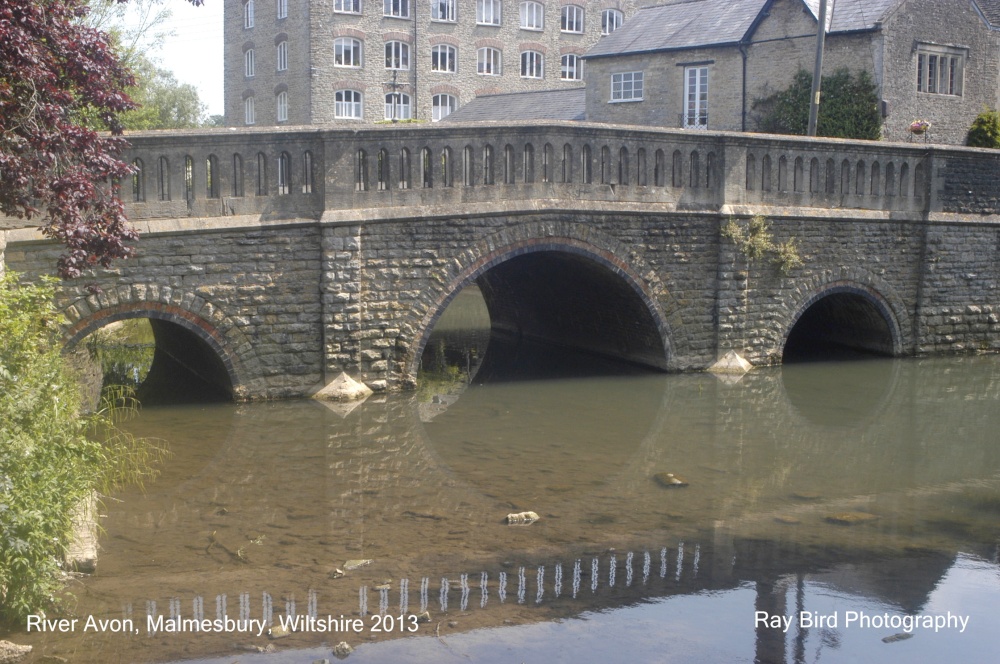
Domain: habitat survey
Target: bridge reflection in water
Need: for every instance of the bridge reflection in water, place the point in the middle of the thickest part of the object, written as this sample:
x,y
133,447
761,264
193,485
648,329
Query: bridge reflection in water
x,y
273,498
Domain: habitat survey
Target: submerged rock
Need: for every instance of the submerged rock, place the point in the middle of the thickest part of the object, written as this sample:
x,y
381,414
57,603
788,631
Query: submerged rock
x,y
901,636
355,564
522,518
787,520
731,363
342,650
851,518
669,480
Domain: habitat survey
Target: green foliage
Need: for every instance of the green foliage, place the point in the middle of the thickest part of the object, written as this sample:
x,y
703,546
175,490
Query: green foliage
x,y
163,102
985,130
124,351
849,107
754,240
51,457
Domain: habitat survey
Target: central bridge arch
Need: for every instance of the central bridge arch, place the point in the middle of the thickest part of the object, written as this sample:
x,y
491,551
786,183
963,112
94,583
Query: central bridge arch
x,y
560,289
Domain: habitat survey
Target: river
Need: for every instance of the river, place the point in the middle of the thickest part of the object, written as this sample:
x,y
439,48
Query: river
x,y
845,512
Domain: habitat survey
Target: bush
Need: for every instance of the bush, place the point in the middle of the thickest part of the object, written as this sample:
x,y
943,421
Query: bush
x,y
849,107
50,457
985,130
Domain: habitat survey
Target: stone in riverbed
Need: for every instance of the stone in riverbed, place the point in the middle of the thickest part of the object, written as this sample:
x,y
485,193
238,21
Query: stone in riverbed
x,y
669,480
355,564
342,650
344,388
522,518
851,518
11,653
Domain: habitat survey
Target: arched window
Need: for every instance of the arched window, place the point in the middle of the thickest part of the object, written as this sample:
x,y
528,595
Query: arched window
x,y
282,55
284,174
567,163
382,170
660,169
488,12
212,176
640,159
611,20
468,167
532,64
282,6
307,172
765,173
446,167
404,169
361,171
529,163
237,176
397,55
346,52
572,19
586,165
348,104
751,180
488,164
605,165
508,165
677,169
261,174
138,181
397,106
248,14
532,15
248,63
281,106
444,58
571,68
695,170
623,166
442,106
163,179
426,169
249,112
489,61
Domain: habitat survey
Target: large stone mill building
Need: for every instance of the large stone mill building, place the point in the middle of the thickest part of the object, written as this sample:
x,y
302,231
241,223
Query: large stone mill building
x,y
347,61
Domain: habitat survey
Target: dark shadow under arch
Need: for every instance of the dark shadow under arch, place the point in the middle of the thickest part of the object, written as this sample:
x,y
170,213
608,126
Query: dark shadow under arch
x,y
842,322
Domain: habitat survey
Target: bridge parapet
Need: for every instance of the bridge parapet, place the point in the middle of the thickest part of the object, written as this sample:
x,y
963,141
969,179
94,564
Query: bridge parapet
x,y
306,171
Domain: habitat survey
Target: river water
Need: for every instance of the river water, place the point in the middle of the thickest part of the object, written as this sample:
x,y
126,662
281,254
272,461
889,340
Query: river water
x,y
853,497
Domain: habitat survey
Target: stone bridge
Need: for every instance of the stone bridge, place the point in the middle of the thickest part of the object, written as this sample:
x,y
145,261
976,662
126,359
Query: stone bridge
x,y
273,259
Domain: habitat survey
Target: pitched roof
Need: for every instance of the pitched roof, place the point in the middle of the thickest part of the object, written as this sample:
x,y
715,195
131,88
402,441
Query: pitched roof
x,y
681,24
565,104
991,11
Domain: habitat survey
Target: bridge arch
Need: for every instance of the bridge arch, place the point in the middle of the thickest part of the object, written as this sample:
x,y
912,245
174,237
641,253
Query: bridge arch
x,y
849,313
228,359
568,245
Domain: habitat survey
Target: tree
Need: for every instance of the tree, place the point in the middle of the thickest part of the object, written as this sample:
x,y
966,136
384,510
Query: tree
x,y
848,108
54,72
985,130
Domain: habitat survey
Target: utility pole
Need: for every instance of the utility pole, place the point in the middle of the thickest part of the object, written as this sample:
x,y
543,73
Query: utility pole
x,y
818,69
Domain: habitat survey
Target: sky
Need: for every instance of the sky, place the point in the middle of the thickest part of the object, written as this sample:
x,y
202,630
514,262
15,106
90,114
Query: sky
x,y
194,51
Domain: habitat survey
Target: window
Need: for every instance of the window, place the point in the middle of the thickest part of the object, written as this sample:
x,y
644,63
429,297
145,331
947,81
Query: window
x,y
347,6
940,69
444,58
442,106
397,55
261,174
488,12
282,8
138,182
248,14
611,20
626,86
489,61
397,8
282,55
572,19
248,63
346,52
212,176
397,106
347,104
281,106
188,178
532,64
532,15
249,116
163,179
443,10
284,163
572,68
237,175
696,97
307,172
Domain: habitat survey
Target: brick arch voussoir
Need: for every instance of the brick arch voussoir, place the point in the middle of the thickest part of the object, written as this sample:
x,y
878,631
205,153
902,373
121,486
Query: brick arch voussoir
x,y
856,280
534,236
201,317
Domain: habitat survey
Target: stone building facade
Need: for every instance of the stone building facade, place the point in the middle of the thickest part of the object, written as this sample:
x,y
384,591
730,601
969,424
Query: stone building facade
x,y
291,62
701,64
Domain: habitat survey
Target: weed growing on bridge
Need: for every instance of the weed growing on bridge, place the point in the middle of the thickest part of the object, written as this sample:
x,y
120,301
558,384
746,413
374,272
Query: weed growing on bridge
x,y
754,240
53,457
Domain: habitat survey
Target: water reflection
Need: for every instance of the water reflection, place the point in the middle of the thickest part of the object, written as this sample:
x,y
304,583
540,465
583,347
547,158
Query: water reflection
x,y
275,498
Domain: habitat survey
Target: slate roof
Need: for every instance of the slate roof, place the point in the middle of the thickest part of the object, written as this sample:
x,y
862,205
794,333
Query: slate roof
x,y
699,23
991,10
564,104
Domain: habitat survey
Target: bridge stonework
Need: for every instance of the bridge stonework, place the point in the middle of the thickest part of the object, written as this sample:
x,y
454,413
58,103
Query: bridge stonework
x,y
298,253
